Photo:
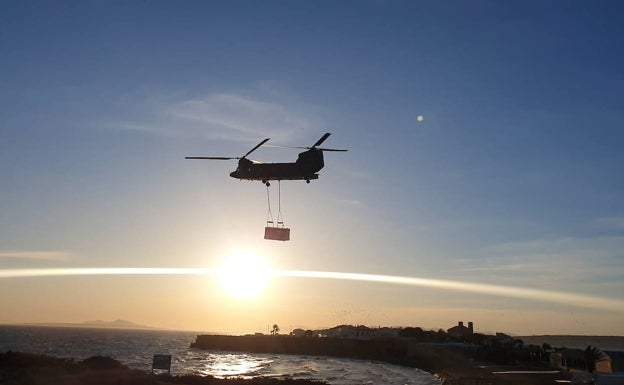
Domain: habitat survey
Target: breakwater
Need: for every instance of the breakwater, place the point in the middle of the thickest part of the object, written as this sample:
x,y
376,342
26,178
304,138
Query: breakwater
x,y
395,351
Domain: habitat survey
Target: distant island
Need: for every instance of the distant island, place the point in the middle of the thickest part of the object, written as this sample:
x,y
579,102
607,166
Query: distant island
x,y
116,324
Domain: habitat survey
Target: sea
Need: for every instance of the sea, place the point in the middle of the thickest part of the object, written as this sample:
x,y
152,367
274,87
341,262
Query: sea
x,y
136,348
604,343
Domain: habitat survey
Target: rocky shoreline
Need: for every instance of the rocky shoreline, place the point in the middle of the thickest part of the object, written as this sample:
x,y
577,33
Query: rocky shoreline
x,y
448,363
451,363
32,369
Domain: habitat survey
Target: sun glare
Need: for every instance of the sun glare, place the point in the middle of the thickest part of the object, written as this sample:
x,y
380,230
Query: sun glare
x,y
244,276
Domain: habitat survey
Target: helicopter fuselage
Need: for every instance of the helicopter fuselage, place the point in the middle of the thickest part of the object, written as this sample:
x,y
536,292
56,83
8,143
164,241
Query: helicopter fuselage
x,y
305,168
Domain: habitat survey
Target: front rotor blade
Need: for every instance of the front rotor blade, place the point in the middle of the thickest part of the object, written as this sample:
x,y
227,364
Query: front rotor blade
x,y
318,142
255,148
209,157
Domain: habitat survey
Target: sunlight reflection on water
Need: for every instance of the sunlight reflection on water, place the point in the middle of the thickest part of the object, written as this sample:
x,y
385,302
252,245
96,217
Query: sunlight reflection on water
x,y
332,370
233,365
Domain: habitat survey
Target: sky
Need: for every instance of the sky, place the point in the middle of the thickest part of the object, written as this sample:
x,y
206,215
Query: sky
x,y
503,205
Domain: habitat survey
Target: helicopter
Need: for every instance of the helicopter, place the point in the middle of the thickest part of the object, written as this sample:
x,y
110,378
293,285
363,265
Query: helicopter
x,y
306,167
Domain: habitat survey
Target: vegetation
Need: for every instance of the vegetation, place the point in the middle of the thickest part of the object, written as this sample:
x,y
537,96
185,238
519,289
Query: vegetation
x,y
424,335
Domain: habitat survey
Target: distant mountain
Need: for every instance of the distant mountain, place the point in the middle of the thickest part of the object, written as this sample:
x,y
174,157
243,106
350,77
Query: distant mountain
x,y
122,324
117,324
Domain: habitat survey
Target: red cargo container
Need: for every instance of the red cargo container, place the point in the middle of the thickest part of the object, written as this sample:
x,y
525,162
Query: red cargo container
x,y
277,233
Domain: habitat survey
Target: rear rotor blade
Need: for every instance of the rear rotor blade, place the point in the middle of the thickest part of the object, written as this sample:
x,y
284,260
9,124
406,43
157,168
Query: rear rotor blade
x,y
323,138
330,149
255,148
209,157
278,146
306,148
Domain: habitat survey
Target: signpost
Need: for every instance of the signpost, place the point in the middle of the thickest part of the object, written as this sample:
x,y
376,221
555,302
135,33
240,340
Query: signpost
x,y
162,362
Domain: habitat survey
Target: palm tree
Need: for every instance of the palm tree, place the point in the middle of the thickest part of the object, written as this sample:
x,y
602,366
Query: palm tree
x,y
275,329
594,355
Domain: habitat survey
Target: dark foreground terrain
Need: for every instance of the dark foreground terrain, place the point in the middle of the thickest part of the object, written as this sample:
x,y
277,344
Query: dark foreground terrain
x,y
30,369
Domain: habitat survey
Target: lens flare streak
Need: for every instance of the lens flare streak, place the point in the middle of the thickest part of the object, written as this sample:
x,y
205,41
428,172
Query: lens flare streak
x,y
577,300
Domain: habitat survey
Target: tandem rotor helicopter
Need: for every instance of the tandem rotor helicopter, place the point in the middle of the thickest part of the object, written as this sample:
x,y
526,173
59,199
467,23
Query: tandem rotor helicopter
x,y
306,166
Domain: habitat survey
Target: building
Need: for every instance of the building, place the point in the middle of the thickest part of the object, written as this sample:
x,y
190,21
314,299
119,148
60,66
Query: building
x,y
361,332
461,331
352,332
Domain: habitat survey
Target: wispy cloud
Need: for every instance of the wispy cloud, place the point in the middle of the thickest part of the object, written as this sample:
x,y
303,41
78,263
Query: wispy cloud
x,y
582,260
148,129
227,116
38,255
350,202
355,172
591,247
614,223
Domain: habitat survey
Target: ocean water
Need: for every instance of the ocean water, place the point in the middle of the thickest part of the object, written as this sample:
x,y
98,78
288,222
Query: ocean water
x,y
605,343
136,348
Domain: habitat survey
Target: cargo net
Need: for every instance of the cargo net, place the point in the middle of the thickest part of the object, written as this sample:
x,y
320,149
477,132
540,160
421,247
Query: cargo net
x,y
276,230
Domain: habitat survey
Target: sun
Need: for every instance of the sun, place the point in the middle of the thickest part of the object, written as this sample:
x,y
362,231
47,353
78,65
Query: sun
x,y
244,276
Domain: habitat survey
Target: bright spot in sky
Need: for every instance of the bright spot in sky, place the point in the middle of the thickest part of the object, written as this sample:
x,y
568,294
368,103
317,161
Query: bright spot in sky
x,y
243,276
420,118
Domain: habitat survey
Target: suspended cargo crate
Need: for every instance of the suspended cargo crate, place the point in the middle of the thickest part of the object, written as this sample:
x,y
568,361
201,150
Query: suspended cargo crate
x,y
277,233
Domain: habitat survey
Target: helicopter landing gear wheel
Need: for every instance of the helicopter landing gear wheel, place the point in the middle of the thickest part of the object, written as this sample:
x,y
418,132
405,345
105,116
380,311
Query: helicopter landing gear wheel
x,y
307,180
266,183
